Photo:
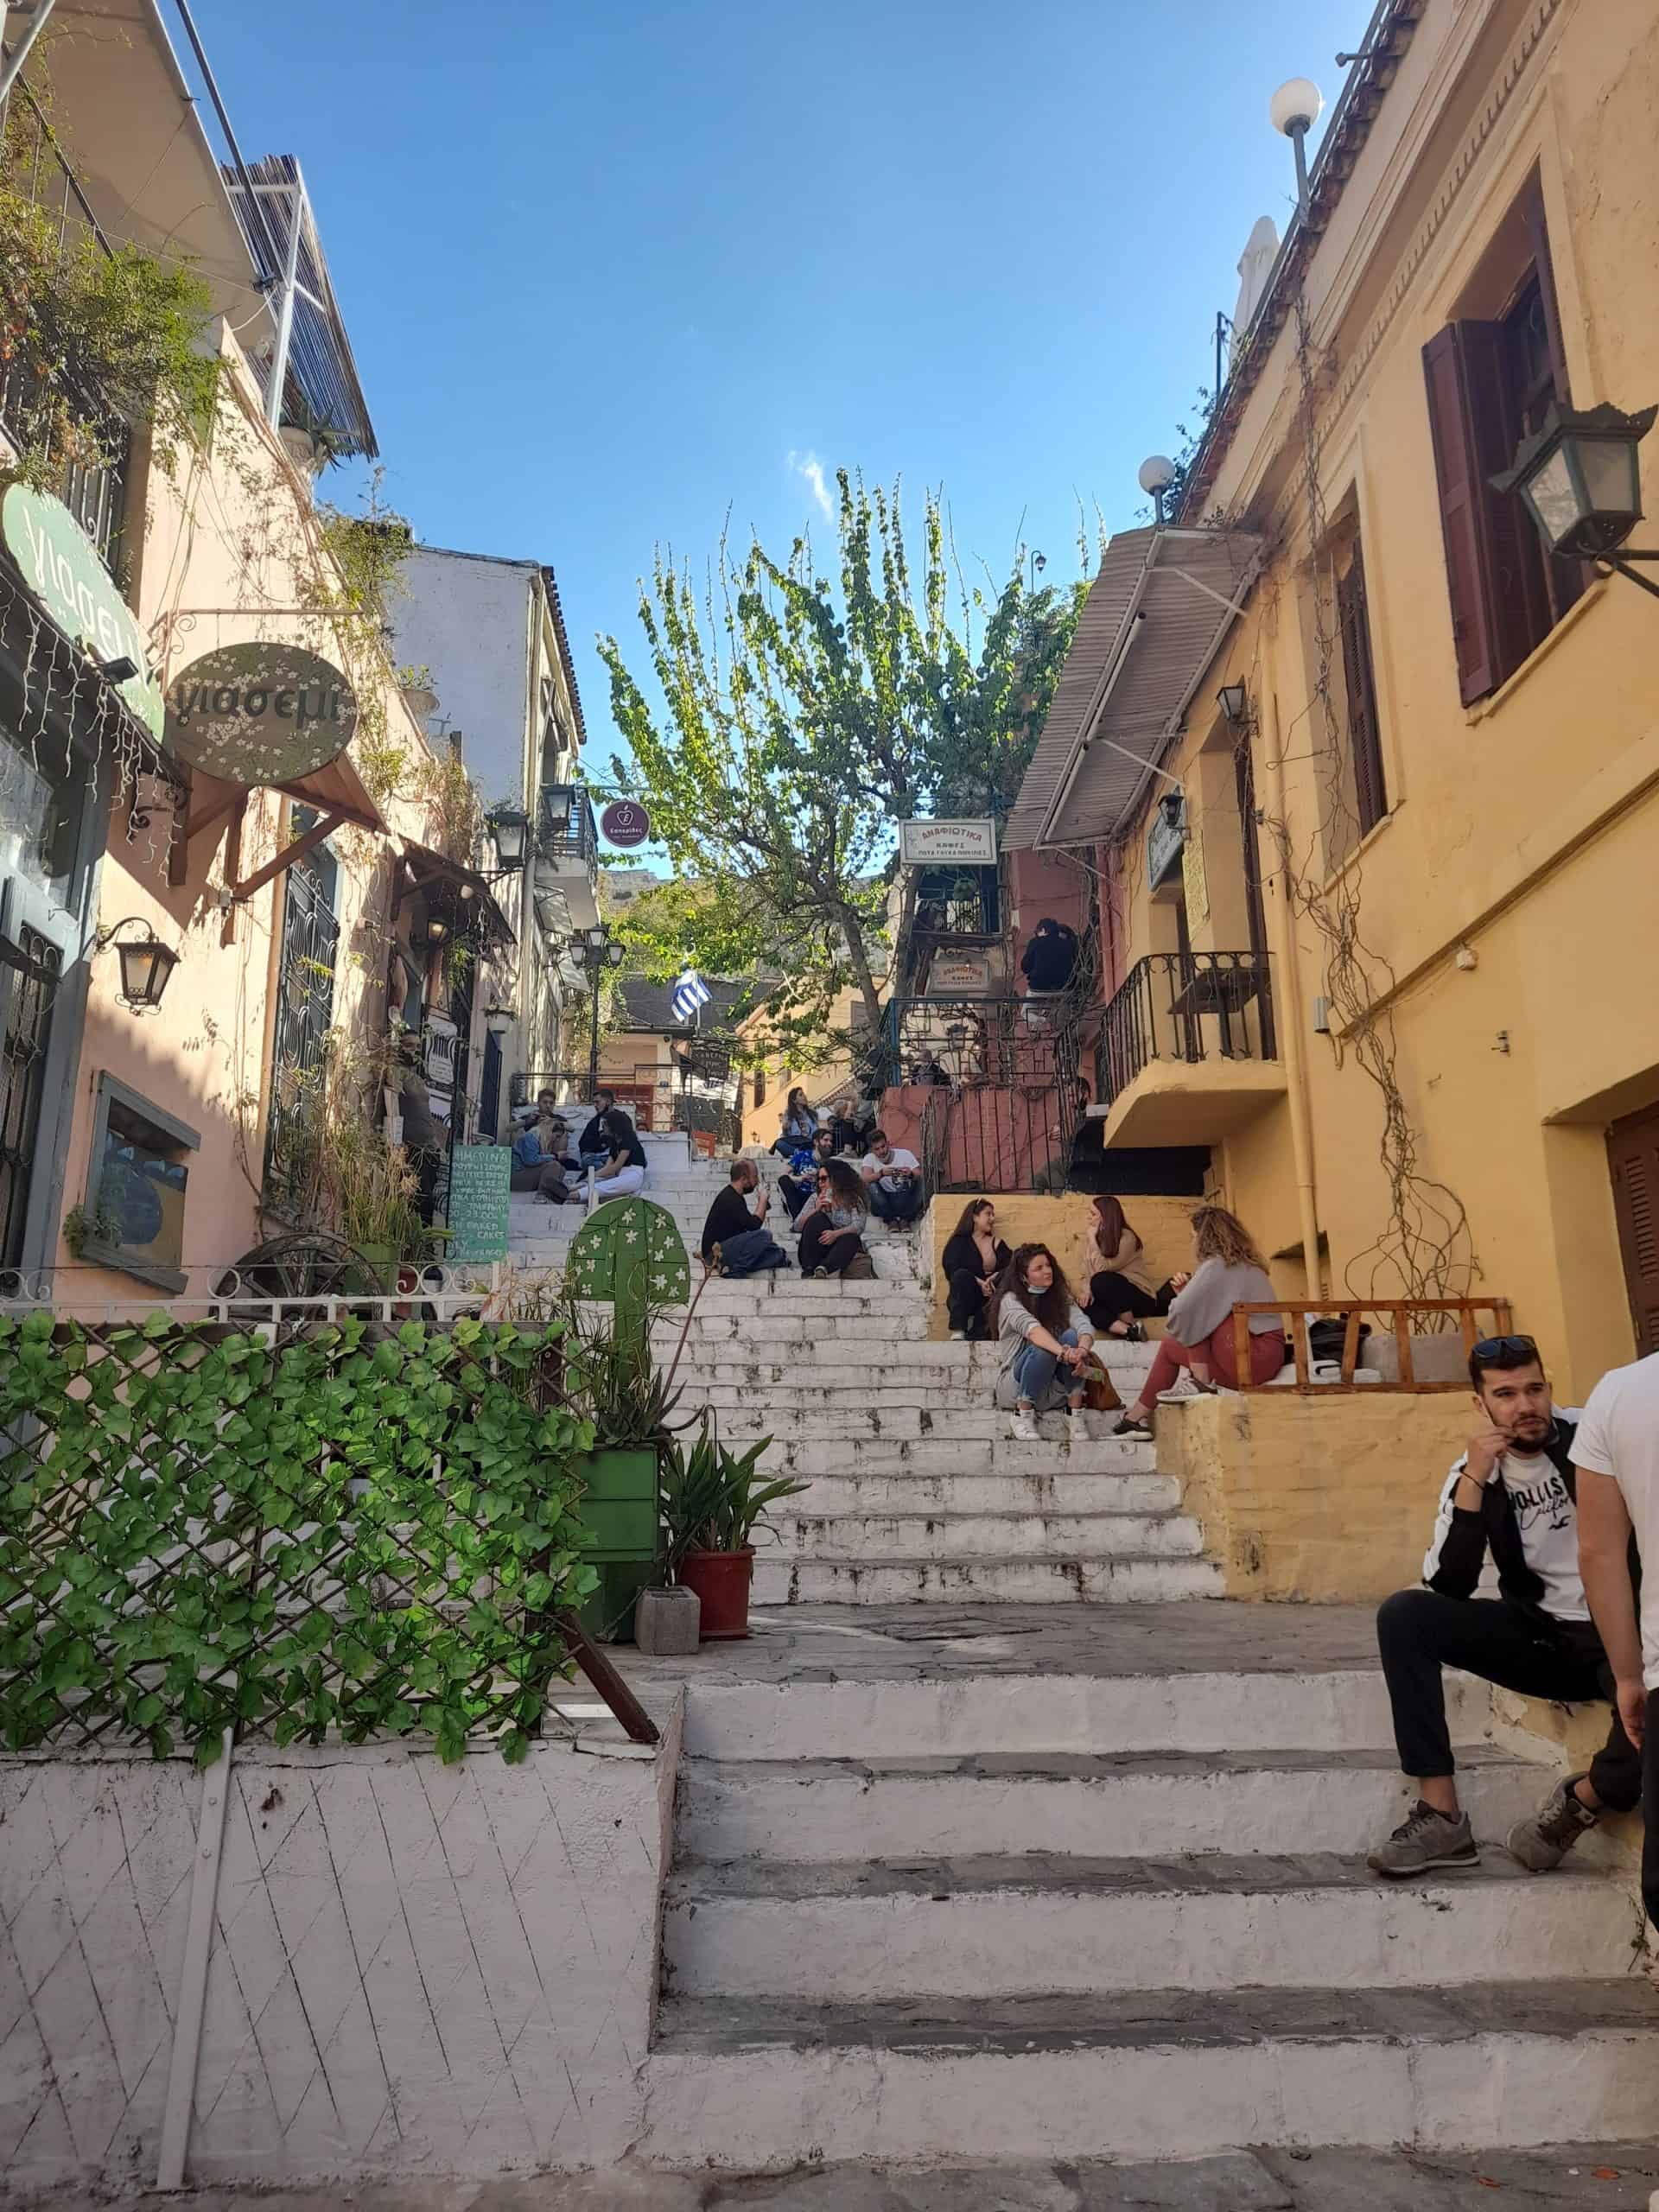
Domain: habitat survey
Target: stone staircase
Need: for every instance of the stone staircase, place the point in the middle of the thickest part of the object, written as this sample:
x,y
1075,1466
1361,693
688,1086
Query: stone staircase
x,y
1104,1897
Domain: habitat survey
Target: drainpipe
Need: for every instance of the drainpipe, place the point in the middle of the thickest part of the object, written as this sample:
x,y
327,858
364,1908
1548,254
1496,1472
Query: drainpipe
x,y
1290,1027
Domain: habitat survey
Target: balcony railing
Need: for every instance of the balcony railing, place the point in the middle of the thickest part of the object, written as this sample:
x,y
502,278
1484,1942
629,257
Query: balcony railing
x,y
565,829
1187,1007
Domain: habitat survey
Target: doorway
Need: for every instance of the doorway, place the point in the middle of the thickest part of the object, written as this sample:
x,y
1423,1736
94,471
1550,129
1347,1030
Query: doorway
x,y
1633,1162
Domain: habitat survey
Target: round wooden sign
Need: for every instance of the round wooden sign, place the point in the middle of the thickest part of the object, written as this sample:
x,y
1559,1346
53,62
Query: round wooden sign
x,y
260,714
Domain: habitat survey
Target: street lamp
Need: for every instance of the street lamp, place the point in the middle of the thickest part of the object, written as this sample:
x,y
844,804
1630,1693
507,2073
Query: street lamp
x,y
1580,478
497,1020
1234,700
600,950
509,829
147,964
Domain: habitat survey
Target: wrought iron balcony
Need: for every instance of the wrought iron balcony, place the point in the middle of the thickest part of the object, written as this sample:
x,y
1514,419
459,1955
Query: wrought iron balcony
x,y
1188,1048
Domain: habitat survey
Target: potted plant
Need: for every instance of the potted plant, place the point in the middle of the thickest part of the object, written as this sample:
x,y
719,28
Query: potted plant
x,y
714,1502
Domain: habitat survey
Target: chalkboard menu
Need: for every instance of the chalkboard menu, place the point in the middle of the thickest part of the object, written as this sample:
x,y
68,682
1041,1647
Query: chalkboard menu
x,y
480,1183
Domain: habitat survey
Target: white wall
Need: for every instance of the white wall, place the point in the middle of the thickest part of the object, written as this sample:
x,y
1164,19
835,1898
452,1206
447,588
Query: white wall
x,y
468,620
416,1968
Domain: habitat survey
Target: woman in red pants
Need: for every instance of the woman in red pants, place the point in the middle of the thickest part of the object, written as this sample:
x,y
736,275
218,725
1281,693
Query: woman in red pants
x,y
1199,1349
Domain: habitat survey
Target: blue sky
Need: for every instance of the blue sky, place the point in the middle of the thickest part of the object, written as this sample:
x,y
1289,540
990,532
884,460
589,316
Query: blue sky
x,y
610,269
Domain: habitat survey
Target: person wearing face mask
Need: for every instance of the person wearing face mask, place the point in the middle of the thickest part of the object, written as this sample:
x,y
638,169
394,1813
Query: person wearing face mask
x,y
1511,1500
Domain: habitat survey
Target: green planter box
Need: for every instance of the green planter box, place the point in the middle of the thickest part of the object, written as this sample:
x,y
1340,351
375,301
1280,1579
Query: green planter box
x,y
620,1514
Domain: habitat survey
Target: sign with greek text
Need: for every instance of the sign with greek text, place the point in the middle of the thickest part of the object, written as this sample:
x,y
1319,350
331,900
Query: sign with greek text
x,y
928,842
480,1181
261,713
60,566
625,823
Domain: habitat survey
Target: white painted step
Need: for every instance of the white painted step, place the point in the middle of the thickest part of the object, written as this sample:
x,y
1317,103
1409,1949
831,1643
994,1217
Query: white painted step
x,y
889,1416
1001,1927
1058,1454
885,1494
1040,1580
1010,1804
803,1531
1028,1710
739,2082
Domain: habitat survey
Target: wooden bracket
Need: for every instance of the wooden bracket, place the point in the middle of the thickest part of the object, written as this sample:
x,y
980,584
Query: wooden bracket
x,y
323,827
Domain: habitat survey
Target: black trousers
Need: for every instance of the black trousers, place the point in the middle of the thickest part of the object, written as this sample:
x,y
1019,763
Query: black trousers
x,y
1111,1294
967,1302
795,1194
1420,1632
832,1249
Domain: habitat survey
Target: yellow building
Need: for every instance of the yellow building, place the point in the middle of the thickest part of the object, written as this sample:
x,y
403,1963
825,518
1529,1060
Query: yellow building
x,y
766,1088
1368,781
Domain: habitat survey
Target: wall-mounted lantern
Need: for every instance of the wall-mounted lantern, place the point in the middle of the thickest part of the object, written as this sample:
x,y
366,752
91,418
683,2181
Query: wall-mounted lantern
x,y
146,963
1580,479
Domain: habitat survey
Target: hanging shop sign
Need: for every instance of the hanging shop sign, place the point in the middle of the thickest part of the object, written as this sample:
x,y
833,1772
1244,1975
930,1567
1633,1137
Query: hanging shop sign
x,y
261,713
625,823
60,566
975,843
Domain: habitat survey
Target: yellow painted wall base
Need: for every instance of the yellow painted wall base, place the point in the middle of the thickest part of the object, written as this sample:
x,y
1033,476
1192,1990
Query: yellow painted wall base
x,y
1066,1225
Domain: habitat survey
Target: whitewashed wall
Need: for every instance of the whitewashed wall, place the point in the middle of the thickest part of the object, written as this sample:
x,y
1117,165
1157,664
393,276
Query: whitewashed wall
x,y
415,1969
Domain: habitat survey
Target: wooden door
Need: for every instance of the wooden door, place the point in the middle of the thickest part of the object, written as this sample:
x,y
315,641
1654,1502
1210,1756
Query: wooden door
x,y
1633,1157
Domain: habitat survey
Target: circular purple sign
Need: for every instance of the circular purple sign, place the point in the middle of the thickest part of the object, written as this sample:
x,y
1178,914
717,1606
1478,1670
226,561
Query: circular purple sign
x,y
625,823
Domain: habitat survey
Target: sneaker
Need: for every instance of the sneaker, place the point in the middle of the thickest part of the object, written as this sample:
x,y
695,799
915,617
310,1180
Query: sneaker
x,y
1025,1430
1133,1431
1188,1387
1423,1840
1544,1838
958,1336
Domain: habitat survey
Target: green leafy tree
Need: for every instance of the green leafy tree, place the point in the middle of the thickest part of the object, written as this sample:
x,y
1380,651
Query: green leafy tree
x,y
803,715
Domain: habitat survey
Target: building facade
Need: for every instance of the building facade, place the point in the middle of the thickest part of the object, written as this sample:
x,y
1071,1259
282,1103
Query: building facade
x,y
1364,778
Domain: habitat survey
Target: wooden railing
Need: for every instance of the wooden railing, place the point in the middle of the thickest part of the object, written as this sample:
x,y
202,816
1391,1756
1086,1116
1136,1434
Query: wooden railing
x,y
1400,1314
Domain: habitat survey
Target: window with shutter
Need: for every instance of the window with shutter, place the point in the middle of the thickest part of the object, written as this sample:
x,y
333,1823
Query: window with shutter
x,y
1633,1157
1365,736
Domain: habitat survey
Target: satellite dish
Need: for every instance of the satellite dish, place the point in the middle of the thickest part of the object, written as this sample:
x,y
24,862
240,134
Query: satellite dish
x,y
1156,473
1295,107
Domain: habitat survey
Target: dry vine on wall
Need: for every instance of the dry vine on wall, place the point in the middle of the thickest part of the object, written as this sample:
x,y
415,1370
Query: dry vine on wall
x,y
1424,1249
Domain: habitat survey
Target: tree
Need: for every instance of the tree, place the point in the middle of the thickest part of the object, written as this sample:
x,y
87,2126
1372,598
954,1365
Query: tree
x,y
802,717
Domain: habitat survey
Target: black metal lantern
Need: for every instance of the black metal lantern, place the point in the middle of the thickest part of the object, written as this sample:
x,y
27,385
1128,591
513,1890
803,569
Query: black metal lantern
x,y
1234,700
509,830
498,1018
1579,480
147,964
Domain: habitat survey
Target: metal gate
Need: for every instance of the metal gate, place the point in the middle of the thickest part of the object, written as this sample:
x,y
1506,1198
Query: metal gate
x,y
305,1009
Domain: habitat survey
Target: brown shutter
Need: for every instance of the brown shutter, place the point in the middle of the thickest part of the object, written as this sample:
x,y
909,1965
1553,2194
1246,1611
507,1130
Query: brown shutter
x,y
1471,420
1633,1157
1364,739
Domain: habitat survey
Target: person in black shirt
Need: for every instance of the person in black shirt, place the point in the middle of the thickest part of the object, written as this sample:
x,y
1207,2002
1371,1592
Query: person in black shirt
x,y
622,1173
593,1145
734,1241
972,1260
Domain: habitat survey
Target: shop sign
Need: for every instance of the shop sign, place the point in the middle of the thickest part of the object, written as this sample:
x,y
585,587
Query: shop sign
x,y
972,842
480,1209
1164,840
62,567
966,975
260,713
625,823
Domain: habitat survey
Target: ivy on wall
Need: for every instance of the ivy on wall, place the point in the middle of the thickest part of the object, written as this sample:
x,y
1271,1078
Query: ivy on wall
x,y
343,1532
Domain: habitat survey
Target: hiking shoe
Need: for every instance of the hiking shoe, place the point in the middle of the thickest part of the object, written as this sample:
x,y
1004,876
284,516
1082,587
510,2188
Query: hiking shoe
x,y
1132,1431
1025,1430
1544,1838
1423,1840
1188,1387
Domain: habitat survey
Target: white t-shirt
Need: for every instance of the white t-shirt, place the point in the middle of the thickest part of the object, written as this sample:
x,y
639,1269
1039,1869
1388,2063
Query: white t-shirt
x,y
1619,1436
870,1167
1546,1520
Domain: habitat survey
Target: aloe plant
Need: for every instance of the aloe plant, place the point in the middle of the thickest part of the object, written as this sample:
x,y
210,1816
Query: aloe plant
x,y
714,1499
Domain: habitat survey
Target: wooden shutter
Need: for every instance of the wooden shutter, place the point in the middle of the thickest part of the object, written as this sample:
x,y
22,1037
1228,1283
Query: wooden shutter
x,y
1633,1157
1471,420
1365,737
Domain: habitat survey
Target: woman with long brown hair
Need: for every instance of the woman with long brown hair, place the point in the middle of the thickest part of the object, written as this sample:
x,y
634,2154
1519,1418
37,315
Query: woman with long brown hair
x,y
832,1242
1043,1338
974,1256
1229,1271
1120,1297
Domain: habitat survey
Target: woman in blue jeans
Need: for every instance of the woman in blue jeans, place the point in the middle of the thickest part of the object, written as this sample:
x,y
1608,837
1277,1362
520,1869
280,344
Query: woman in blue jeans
x,y
1044,1339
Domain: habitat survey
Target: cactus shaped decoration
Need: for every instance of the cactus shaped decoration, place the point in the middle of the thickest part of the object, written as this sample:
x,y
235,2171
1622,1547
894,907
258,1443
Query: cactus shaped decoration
x,y
630,1254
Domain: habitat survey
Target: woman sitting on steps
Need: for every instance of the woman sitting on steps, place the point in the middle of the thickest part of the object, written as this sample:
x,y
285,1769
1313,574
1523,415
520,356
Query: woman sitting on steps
x,y
972,1260
831,1239
1120,1297
1200,1339
1040,1330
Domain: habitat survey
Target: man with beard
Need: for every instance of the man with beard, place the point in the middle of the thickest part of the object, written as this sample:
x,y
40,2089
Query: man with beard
x,y
1511,1497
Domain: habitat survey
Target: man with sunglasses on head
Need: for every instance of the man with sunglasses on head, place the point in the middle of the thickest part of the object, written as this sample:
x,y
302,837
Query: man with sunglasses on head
x,y
1509,1500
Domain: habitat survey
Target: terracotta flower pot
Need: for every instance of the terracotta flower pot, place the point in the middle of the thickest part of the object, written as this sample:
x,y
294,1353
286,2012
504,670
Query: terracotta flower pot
x,y
721,1580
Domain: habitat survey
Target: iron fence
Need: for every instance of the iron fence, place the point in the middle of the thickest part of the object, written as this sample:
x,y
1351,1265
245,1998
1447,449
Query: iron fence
x,y
1190,1006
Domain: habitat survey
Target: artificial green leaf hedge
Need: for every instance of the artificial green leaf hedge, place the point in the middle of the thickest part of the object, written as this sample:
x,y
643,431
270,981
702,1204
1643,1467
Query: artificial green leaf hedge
x,y
341,1531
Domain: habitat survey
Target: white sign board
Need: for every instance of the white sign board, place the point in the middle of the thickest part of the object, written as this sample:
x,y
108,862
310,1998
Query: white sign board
x,y
966,975
930,843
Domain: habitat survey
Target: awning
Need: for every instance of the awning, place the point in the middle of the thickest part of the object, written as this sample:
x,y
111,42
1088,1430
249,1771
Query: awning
x,y
451,890
1155,618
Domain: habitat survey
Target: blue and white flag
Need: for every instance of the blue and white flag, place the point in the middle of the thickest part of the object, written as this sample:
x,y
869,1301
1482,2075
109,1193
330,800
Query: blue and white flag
x,y
689,993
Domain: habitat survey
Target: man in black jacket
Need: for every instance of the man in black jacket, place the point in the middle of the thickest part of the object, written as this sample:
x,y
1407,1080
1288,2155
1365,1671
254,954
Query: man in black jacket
x,y
1511,1496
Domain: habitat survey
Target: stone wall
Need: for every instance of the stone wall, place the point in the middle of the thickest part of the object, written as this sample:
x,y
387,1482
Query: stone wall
x,y
414,1969
1067,1225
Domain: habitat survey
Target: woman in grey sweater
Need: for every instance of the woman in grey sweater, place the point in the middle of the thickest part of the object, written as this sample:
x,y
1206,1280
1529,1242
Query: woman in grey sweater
x,y
1044,1339
1198,1339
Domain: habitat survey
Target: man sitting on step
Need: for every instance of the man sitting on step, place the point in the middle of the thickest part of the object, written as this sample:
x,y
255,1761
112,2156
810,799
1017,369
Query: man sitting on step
x,y
1512,1496
734,1241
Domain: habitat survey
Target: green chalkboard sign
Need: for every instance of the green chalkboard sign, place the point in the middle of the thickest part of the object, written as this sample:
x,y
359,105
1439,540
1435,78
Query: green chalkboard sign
x,y
480,1181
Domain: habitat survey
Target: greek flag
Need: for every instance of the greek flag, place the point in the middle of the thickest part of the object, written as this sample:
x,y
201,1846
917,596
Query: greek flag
x,y
689,993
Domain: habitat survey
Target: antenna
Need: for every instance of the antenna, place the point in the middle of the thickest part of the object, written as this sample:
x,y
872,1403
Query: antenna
x,y
1294,110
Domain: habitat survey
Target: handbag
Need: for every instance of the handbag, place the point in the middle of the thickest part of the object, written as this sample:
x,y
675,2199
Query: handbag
x,y
1099,1396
